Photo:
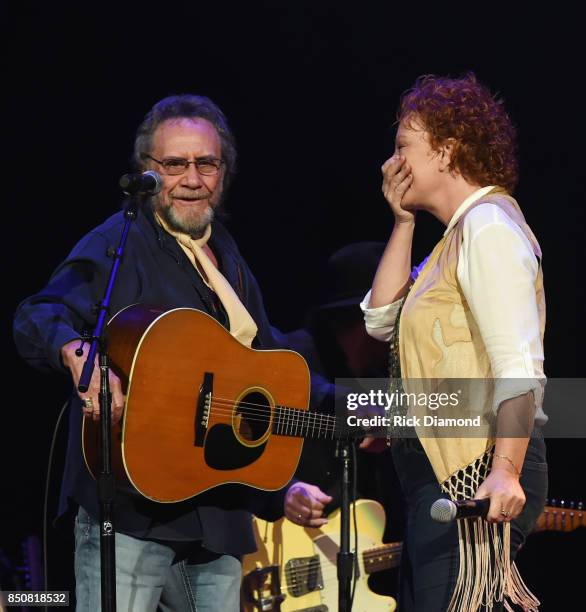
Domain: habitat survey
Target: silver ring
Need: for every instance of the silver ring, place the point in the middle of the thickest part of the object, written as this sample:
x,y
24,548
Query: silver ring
x,y
505,513
88,403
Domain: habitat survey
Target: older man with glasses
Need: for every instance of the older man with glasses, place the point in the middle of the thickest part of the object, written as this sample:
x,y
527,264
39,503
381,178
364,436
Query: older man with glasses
x,y
173,556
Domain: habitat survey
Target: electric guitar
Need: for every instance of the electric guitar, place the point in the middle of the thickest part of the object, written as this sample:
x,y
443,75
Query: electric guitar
x,y
202,409
294,567
561,517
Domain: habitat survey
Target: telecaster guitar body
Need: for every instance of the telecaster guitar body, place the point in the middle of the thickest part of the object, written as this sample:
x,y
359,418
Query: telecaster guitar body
x,y
306,561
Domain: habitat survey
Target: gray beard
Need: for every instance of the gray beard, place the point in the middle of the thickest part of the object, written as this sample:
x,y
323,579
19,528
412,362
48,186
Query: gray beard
x,y
194,228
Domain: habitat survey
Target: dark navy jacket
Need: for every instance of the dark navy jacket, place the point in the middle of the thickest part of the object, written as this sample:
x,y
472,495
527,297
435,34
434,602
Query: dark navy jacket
x,y
154,271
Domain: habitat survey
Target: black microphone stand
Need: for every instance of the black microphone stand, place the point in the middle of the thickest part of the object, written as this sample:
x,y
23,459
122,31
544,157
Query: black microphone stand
x,y
106,481
345,558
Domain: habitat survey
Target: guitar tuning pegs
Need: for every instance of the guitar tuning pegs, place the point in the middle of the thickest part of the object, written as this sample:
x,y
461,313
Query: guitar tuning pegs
x,y
572,505
553,502
580,506
562,504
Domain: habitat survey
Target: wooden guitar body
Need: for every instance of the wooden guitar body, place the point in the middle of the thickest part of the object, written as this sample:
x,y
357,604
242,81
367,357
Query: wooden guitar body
x,y
200,407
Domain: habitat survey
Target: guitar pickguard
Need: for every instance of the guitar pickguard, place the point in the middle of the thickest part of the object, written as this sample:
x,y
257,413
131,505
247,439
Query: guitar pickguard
x,y
228,447
222,451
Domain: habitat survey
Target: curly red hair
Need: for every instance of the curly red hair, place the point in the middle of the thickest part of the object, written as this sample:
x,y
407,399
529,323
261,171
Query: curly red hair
x,y
462,109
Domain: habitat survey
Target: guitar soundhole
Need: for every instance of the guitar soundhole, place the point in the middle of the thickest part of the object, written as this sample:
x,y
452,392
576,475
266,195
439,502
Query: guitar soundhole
x,y
253,417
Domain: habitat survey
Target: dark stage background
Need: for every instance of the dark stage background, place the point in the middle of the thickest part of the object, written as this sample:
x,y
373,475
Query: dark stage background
x,y
310,89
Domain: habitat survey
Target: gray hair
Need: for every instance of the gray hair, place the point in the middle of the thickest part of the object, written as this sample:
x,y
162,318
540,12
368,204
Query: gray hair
x,y
186,106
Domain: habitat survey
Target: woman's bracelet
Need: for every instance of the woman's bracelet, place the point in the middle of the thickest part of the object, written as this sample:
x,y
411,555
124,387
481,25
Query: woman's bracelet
x,y
510,461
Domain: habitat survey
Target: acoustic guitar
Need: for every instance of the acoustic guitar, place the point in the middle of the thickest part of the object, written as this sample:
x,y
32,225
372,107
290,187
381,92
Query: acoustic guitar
x,y
202,409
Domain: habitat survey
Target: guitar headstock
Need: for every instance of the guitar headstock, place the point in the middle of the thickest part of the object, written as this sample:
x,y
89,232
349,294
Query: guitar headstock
x,y
561,516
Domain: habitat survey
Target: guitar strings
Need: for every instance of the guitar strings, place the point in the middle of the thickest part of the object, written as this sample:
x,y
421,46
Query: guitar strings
x,y
265,409
286,419
293,430
305,415
293,418
387,554
231,402
304,572
285,422
291,412
309,423
329,574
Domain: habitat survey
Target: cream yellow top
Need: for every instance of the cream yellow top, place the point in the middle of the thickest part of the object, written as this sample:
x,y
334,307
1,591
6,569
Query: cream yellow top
x,y
497,269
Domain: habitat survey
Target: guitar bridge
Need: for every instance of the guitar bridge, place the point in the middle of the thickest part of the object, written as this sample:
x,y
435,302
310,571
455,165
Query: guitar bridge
x,y
262,588
204,407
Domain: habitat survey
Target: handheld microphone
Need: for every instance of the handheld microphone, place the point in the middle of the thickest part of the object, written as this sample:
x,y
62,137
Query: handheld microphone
x,y
446,510
149,183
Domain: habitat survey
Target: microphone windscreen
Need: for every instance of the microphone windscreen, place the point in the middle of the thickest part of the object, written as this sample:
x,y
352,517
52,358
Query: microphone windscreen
x,y
158,181
443,510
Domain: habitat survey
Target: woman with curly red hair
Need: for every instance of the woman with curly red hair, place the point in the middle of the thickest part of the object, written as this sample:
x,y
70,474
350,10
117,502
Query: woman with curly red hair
x,y
475,309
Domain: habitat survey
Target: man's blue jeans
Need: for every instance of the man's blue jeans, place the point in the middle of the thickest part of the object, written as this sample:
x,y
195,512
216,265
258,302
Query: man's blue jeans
x,y
148,580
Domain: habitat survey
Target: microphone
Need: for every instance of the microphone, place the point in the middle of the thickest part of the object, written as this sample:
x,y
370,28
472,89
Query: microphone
x,y
149,183
446,510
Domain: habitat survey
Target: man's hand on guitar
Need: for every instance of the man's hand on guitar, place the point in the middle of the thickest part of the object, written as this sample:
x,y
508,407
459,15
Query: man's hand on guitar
x,y
91,404
372,444
304,504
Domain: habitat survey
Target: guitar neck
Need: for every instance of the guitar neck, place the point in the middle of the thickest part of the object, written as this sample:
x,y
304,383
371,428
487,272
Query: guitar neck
x,y
297,423
382,557
555,518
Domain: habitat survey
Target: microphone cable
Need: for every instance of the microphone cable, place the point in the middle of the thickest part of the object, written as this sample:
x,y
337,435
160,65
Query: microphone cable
x,y
355,564
46,499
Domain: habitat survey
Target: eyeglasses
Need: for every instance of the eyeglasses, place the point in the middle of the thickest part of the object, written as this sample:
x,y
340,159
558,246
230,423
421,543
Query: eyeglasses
x,y
208,166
